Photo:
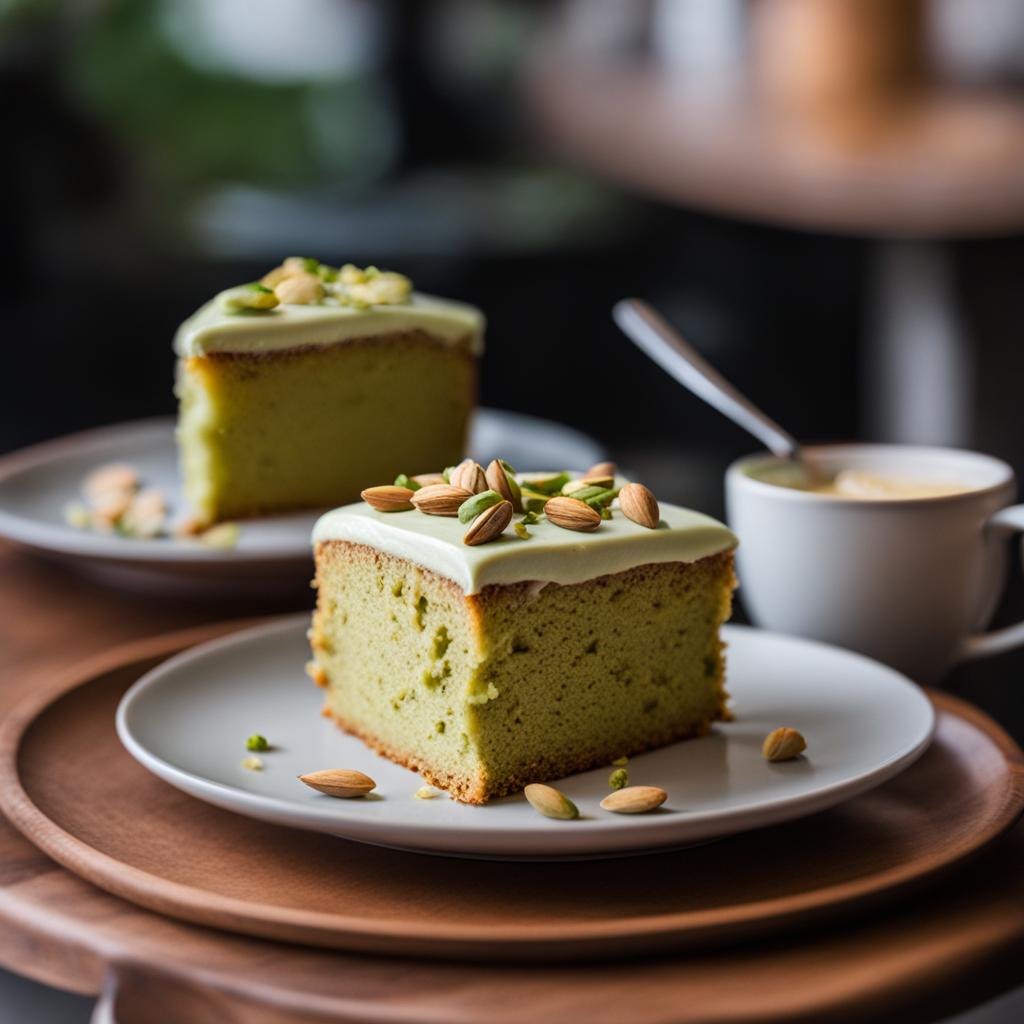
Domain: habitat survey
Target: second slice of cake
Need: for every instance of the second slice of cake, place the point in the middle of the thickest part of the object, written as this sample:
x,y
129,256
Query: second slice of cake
x,y
297,390
526,659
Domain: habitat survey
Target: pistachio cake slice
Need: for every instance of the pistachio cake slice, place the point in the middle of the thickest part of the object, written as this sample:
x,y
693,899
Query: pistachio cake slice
x,y
289,388
547,651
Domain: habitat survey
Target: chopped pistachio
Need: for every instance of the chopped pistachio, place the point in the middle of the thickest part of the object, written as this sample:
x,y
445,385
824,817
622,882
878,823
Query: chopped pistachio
x,y
472,507
310,265
407,481
253,763
573,487
516,491
257,742
251,298
620,762
521,531
618,779
549,485
534,503
586,492
326,273
530,518
606,512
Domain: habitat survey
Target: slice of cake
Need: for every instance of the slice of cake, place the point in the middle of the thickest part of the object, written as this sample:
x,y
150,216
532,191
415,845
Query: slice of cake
x,y
494,648
296,390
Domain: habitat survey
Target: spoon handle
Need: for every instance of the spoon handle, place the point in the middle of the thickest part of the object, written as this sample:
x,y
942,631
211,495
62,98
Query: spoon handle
x,y
651,333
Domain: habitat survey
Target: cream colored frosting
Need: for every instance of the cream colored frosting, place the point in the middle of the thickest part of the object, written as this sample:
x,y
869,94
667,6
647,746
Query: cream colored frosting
x,y
551,553
212,329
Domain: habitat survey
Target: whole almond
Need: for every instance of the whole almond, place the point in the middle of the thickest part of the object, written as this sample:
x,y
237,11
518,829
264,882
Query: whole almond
x,y
783,744
302,289
426,479
602,469
640,505
490,524
549,802
388,498
634,800
440,499
470,476
572,514
498,480
115,478
344,783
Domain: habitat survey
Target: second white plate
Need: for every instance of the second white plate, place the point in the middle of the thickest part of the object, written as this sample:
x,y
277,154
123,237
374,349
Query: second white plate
x,y
273,552
187,721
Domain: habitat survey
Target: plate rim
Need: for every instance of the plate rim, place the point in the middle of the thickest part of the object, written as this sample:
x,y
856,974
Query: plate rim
x,y
561,845
130,883
66,542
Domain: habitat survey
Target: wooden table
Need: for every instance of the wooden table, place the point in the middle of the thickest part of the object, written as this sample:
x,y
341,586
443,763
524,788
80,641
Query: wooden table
x,y
921,959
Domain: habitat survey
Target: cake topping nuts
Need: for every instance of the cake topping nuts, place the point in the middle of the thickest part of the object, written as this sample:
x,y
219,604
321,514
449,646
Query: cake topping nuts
x,y
389,498
640,505
634,800
426,479
602,469
249,298
500,479
470,476
257,743
572,514
618,779
783,744
549,802
440,499
302,289
490,524
344,783
472,507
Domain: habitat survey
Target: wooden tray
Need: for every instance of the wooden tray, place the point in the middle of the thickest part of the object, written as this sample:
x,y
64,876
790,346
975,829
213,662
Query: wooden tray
x,y
66,783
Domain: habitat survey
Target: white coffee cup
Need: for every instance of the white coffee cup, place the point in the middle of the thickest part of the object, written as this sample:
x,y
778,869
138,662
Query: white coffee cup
x,y
911,581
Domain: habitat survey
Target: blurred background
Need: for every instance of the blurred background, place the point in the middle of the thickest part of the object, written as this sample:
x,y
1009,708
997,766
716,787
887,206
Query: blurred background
x,y
826,196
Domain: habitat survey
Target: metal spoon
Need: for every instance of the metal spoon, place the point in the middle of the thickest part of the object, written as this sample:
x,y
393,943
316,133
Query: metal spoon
x,y
655,336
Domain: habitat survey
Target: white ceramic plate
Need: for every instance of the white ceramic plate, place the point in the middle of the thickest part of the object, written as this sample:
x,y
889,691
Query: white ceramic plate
x,y
187,721
37,483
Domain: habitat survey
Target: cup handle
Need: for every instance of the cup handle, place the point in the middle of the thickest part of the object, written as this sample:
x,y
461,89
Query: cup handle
x,y
1005,522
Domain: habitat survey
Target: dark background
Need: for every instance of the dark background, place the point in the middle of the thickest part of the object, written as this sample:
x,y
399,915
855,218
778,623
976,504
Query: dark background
x,y
157,152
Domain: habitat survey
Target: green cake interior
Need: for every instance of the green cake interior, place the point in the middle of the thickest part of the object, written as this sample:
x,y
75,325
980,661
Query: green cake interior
x,y
308,427
519,683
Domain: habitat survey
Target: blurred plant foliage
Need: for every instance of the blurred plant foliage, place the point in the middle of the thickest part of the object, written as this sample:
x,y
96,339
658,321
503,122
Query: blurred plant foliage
x,y
194,125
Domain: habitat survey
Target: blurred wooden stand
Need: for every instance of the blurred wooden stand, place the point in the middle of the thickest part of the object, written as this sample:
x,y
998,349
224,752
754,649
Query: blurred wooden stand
x,y
833,123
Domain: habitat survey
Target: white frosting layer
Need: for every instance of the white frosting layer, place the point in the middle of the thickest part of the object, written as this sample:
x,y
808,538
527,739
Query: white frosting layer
x,y
550,554
211,329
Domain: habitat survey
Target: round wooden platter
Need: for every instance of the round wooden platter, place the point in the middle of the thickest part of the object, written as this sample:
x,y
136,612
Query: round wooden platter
x,y
67,784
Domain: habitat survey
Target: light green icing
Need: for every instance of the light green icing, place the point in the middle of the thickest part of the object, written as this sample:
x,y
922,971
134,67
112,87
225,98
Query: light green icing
x,y
212,329
550,554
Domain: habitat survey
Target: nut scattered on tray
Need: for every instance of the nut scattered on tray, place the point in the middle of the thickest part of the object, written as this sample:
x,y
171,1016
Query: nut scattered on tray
x,y
783,744
115,502
343,783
